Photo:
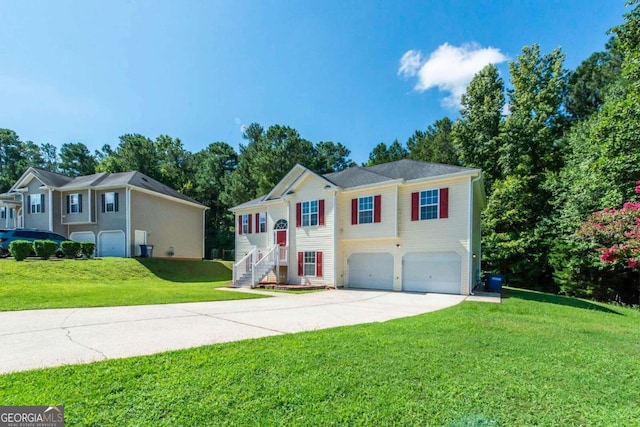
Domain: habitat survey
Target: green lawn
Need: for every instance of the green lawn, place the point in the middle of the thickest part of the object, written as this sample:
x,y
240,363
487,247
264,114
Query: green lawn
x,y
34,284
533,360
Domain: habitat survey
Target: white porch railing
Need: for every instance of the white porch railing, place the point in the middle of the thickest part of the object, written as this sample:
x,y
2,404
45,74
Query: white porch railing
x,y
283,254
244,266
255,265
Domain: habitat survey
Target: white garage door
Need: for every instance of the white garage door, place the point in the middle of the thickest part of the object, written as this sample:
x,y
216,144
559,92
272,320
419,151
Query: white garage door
x,y
370,271
83,236
432,272
111,244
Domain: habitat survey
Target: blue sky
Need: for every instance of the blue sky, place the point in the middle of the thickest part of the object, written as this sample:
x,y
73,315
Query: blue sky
x,y
356,72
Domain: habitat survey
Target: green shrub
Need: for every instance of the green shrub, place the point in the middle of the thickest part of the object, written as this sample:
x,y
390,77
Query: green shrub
x,y
87,248
20,249
44,248
70,249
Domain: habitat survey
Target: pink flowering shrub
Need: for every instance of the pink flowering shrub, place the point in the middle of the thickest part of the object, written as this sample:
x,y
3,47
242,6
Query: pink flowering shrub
x,y
617,232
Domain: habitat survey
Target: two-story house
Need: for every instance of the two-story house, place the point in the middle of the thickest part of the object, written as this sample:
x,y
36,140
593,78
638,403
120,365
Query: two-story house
x,y
116,211
403,226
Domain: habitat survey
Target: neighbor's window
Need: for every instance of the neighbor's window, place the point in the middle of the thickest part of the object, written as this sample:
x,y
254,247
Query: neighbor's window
x,y
109,202
36,203
74,203
365,210
3,213
310,213
245,223
429,204
310,264
262,219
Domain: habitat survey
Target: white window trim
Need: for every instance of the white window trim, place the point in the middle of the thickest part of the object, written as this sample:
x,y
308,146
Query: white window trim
x,y
76,204
366,210
305,263
245,223
420,205
262,222
111,194
36,201
310,214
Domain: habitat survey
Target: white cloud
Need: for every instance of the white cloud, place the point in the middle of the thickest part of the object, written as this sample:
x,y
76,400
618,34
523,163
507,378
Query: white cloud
x,y
449,68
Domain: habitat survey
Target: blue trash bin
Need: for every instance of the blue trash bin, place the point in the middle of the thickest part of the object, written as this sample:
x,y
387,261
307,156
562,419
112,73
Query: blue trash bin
x,y
143,251
495,282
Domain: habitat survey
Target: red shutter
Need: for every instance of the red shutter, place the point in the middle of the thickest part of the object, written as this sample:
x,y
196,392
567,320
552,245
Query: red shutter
x,y
354,211
444,203
249,223
415,209
239,218
377,207
319,264
298,214
300,262
321,212
257,223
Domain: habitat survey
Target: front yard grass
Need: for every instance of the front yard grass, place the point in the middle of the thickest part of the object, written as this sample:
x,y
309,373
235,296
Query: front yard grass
x,y
535,359
36,284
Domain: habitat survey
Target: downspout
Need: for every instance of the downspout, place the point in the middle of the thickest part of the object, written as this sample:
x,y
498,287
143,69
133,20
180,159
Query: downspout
x,y
335,239
128,221
204,214
50,209
471,200
289,238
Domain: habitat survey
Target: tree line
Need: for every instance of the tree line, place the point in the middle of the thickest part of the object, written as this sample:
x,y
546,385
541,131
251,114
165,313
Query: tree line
x,y
555,145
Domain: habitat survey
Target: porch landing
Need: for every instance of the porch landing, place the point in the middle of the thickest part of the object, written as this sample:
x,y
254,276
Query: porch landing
x,y
288,287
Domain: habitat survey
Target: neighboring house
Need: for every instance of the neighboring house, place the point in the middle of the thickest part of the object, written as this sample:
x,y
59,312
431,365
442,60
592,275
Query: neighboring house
x,y
403,226
116,211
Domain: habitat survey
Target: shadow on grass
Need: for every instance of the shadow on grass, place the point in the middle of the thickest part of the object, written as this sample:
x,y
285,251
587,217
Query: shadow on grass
x,y
554,299
187,271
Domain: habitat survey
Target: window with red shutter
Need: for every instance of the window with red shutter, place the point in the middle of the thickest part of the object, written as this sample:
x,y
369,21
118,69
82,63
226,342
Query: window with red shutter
x,y
319,264
444,203
377,208
415,208
298,214
239,223
354,211
321,212
300,263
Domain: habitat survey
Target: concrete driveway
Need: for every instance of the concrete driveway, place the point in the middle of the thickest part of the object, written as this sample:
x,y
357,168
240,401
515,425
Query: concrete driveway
x,y
44,338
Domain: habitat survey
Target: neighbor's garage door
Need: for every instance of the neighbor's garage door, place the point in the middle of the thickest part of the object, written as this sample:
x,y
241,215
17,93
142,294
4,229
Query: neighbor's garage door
x,y
111,243
83,236
370,271
432,272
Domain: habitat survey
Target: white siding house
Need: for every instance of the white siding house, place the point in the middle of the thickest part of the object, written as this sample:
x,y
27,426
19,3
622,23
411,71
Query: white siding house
x,y
401,226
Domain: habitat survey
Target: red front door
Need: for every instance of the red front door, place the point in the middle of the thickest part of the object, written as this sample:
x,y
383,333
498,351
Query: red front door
x,y
281,237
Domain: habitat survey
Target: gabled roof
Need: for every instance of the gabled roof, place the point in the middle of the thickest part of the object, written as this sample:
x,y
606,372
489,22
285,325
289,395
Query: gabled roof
x,y
50,179
404,169
102,180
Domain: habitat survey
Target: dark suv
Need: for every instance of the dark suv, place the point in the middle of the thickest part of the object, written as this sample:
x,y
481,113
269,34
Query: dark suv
x,y
29,234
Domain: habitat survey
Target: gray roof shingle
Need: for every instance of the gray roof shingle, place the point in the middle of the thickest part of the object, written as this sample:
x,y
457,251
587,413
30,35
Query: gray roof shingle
x,y
402,169
108,180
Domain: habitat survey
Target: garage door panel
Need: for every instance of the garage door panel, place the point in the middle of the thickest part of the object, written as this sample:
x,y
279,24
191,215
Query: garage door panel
x,y
83,236
432,272
111,244
370,271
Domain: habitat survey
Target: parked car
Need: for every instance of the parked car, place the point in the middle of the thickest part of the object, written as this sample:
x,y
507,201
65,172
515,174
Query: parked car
x,y
29,234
